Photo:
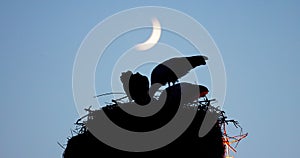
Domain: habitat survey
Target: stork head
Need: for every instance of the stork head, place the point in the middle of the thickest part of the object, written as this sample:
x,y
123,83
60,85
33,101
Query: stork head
x,y
197,60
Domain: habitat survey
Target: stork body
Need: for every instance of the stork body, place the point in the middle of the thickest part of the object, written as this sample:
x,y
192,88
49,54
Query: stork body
x,y
136,86
184,93
171,70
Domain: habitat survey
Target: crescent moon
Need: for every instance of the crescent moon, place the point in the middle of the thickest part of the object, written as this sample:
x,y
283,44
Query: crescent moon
x,y
153,39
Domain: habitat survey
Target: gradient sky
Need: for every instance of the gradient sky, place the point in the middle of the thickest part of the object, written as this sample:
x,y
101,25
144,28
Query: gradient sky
x,y
259,41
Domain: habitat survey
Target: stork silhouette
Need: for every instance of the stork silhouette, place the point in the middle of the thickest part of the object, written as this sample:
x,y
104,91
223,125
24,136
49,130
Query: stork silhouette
x,y
172,69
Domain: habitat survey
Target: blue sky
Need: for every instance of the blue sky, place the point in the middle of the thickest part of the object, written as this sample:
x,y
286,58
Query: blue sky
x,y
259,42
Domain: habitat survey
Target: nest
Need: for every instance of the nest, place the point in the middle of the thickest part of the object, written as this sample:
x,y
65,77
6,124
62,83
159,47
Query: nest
x,y
84,144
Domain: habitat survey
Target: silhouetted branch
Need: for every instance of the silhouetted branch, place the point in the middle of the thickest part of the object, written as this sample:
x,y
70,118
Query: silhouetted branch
x,y
62,146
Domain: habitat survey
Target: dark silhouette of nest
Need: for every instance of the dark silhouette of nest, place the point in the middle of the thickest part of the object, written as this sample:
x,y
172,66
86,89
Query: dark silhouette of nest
x,y
86,145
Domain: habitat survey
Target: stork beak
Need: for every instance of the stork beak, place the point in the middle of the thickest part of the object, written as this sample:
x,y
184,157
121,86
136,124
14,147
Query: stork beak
x,y
202,94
